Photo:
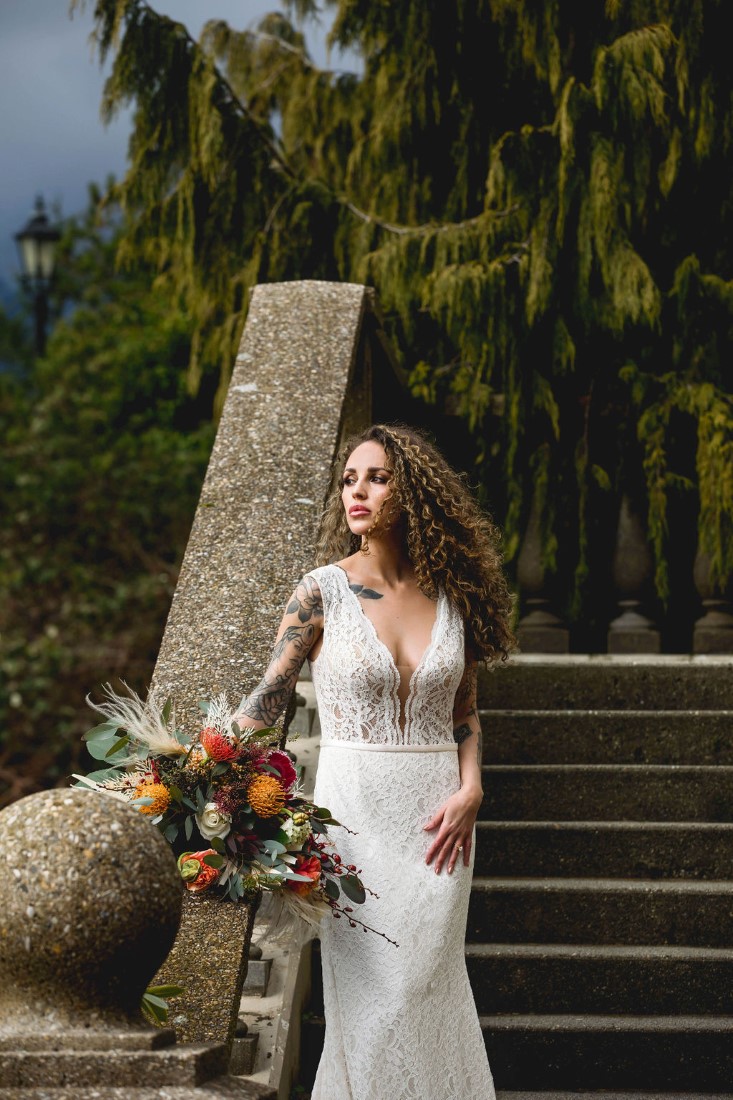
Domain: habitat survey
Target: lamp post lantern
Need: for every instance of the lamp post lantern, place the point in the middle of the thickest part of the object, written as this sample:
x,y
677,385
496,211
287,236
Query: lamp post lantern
x,y
36,243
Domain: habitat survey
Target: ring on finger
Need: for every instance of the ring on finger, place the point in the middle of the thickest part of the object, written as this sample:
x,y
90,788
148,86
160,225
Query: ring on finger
x,y
459,847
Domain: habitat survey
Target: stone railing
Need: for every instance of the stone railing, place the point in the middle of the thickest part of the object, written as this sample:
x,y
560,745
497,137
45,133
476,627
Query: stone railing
x,y
313,365
94,901
633,625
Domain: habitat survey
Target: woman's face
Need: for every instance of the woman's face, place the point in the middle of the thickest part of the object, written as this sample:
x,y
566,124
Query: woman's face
x,y
366,486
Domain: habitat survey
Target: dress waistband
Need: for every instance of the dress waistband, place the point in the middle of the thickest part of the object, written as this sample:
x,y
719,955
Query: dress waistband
x,y
370,746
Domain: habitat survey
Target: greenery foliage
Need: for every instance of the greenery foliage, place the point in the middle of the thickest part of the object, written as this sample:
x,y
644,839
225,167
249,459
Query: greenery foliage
x,y
104,454
540,194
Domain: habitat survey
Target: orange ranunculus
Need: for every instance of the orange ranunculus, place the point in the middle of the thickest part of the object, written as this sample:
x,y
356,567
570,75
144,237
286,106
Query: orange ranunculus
x,y
195,873
310,867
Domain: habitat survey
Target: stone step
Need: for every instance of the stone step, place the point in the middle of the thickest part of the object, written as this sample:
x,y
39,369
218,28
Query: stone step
x,y
607,736
563,978
502,1094
601,911
603,792
605,682
692,1054
567,1056
606,849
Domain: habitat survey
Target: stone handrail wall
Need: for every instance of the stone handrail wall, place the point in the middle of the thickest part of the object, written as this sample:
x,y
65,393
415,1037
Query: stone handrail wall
x,y
313,365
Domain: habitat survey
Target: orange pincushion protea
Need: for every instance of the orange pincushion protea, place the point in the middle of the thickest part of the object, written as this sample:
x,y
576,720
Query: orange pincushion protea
x,y
219,745
266,796
159,794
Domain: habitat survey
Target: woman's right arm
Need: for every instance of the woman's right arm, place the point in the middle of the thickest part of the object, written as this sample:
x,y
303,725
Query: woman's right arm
x,y
300,629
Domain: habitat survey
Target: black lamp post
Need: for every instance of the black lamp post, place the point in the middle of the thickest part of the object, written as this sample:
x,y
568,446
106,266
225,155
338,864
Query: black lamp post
x,y
36,243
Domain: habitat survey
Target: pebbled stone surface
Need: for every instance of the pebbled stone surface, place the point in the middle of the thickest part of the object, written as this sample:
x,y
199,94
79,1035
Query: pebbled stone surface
x,y
90,902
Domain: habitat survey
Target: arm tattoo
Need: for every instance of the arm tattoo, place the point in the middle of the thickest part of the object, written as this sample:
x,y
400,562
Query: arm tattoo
x,y
467,690
461,733
270,698
307,601
365,593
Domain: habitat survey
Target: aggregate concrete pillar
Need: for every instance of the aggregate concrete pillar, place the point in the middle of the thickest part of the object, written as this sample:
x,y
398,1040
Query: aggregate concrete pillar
x,y
313,364
302,377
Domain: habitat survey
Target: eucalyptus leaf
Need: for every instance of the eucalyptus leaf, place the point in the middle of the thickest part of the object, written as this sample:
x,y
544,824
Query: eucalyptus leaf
x,y
104,729
274,846
214,861
332,890
352,887
101,746
188,827
166,711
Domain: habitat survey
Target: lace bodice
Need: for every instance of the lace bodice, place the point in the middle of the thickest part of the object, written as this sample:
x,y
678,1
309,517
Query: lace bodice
x,y
357,683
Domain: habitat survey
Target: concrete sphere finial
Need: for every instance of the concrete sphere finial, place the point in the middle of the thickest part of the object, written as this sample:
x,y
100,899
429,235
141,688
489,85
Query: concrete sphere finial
x,y
90,903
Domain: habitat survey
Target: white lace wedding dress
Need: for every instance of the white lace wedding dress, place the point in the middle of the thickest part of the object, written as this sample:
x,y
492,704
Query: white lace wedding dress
x,y
401,1022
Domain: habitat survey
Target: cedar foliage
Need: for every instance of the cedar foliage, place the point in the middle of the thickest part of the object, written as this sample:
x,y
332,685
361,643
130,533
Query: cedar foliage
x,y
541,195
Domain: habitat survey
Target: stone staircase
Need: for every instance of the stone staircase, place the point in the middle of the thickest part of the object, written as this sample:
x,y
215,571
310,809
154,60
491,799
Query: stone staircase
x,y
600,930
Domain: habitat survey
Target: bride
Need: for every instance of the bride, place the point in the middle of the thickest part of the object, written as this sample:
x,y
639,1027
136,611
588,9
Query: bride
x,y
394,632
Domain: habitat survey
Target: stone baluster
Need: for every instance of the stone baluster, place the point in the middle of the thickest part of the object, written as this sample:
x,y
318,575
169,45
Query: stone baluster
x,y
90,902
632,631
539,630
713,632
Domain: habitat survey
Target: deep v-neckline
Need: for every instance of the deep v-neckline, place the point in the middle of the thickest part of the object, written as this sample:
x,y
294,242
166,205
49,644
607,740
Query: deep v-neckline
x,y
401,712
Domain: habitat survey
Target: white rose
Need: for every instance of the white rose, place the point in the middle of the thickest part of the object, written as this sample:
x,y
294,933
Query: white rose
x,y
212,822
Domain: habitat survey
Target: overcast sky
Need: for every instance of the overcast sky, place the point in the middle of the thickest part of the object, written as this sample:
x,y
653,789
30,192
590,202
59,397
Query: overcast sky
x,y
52,141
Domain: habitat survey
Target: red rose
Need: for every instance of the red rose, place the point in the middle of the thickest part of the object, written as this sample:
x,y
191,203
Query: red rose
x,y
284,767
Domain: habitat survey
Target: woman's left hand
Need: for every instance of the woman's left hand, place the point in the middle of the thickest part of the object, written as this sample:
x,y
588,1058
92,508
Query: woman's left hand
x,y
454,821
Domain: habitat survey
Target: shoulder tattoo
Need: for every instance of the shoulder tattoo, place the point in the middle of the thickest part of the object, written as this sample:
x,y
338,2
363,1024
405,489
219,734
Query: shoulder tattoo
x,y
365,593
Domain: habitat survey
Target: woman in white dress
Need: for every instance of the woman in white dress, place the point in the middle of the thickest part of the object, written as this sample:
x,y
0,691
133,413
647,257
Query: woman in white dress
x,y
393,632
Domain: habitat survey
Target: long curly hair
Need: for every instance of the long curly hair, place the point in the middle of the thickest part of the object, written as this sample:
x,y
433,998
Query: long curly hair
x,y
451,542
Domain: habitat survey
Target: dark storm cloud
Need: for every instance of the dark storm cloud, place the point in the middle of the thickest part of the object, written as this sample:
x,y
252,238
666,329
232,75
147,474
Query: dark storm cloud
x,y
51,137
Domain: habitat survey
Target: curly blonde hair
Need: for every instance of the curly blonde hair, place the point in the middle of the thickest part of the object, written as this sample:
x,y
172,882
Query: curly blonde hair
x,y
451,542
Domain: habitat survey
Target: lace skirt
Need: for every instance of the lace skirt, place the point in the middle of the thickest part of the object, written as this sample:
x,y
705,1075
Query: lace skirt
x,y
401,1022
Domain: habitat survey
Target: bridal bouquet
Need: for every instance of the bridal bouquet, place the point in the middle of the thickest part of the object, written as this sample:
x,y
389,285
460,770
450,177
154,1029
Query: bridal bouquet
x,y
227,800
